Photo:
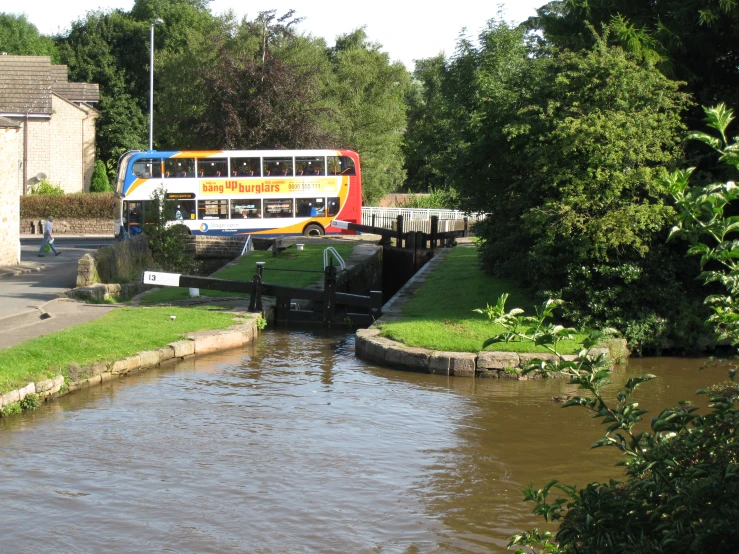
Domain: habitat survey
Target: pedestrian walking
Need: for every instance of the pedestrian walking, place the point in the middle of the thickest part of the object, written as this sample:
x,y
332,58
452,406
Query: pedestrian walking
x,y
48,237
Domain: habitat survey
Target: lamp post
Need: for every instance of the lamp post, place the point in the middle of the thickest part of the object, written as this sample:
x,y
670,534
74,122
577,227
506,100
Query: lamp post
x,y
157,21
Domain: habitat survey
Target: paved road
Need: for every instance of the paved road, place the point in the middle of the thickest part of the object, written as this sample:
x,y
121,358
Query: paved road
x,y
25,300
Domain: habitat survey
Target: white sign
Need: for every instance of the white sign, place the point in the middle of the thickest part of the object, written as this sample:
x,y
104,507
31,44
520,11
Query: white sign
x,y
161,279
340,224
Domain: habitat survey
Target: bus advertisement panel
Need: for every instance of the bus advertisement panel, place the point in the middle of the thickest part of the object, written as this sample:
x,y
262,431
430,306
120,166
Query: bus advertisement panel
x,y
240,192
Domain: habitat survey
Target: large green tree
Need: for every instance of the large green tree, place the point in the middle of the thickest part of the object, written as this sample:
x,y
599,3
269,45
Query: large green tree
x,y
20,37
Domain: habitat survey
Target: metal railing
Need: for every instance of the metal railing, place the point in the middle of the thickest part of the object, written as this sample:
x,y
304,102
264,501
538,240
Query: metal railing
x,y
417,219
331,250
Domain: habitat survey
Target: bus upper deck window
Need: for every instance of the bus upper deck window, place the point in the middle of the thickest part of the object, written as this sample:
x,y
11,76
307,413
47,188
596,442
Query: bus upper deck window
x,y
246,167
179,167
212,167
147,168
340,165
278,167
309,165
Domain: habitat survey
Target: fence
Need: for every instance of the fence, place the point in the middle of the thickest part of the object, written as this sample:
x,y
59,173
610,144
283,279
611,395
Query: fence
x,y
417,219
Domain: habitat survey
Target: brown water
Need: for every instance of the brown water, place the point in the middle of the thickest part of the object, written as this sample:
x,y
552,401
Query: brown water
x,y
293,445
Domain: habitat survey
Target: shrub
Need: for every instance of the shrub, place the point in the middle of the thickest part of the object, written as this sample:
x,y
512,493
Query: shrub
x,y
46,187
30,401
99,181
68,206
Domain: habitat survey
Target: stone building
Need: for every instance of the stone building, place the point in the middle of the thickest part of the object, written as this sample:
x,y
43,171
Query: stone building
x,y
11,154
56,118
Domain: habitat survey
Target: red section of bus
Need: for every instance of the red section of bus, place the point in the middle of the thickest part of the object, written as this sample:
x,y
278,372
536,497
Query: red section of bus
x,y
352,209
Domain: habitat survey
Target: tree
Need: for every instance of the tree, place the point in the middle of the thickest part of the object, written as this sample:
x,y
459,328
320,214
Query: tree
x,y
20,37
368,92
681,487
690,40
99,181
575,206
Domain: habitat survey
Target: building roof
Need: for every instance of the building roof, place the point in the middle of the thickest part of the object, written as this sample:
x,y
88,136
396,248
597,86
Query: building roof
x,y
6,123
26,84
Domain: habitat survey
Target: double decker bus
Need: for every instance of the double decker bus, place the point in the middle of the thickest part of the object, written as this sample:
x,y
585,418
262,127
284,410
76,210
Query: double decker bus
x,y
239,192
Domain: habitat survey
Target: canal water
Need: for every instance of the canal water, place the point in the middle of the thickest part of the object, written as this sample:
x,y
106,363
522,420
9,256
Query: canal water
x,y
294,445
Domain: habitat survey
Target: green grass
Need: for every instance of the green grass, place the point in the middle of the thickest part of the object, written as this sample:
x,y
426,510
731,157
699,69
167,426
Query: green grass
x,y
311,258
440,316
121,333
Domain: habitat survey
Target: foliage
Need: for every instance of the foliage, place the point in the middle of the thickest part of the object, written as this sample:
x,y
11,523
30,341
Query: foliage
x,y
79,205
689,40
99,182
440,199
261,323
20,37
368,92
10,409
569,181
30,402
681,492
44,186
167,243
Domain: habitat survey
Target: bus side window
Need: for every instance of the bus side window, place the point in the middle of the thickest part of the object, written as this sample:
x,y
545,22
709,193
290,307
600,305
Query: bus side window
x,y
333,207
179,167
246,167
147,168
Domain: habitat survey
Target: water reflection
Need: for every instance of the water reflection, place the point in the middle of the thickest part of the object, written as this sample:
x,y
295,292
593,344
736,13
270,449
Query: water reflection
x,y
294,445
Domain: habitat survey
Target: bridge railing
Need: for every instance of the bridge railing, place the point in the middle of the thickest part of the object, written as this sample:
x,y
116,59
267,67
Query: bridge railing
x,y
417,219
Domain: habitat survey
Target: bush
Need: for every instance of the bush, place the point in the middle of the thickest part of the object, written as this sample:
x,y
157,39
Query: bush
x,y
100,181
68,206
45,187
30,401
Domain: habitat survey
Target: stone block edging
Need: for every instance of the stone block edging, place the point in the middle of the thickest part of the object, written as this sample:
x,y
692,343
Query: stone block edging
x,y
369,345
199,342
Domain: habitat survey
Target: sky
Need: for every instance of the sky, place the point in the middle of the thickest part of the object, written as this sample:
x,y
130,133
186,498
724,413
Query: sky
x,y
407,30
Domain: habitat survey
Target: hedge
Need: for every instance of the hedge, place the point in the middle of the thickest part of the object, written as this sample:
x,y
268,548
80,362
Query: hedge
x,y
83,205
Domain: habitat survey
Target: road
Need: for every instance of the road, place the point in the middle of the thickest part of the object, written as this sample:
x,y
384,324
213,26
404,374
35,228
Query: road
x,y
23,297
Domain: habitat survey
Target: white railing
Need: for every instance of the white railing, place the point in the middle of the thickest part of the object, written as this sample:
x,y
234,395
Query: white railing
x,y
417,219
248,246
331,250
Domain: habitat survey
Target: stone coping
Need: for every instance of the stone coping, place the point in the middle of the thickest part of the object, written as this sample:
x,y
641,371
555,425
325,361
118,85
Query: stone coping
x,y
499,365
194,344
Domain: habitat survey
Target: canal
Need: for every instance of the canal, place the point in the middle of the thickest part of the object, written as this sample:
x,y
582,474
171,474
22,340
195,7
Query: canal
x,y
294,445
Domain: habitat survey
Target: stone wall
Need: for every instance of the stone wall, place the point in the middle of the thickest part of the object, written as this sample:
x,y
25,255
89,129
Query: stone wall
x,y
121,262
204,247
70,226
11,175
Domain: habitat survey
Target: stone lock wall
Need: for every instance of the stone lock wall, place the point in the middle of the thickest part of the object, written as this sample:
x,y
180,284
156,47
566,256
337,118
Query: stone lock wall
x,y
204,247
121,262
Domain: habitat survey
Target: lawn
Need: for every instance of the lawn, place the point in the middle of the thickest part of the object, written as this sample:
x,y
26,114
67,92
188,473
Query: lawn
x,y
309,259
121,333
440,316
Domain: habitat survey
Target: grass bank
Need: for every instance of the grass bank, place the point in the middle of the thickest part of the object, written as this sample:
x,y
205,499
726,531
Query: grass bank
x,y
309,259
117,335
440,316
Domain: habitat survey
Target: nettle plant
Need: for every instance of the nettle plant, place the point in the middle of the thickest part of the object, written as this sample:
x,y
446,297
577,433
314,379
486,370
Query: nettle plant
x,y
680,488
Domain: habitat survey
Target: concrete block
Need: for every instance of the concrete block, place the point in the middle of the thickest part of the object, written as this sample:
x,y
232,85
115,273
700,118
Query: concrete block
x,y
439,363
58,383
133,362
527,358
375,349
213,341
9,398
149,358
30,388
166,353
119,366
489,373
94,380
44,386
107,376
182,348
405,357
497,360
463,364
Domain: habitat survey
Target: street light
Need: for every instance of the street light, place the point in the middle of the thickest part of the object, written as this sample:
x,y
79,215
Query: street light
x,y
157,21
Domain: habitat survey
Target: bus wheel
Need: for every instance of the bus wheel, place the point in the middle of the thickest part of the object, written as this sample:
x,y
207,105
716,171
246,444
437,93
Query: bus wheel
x,y
313,230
